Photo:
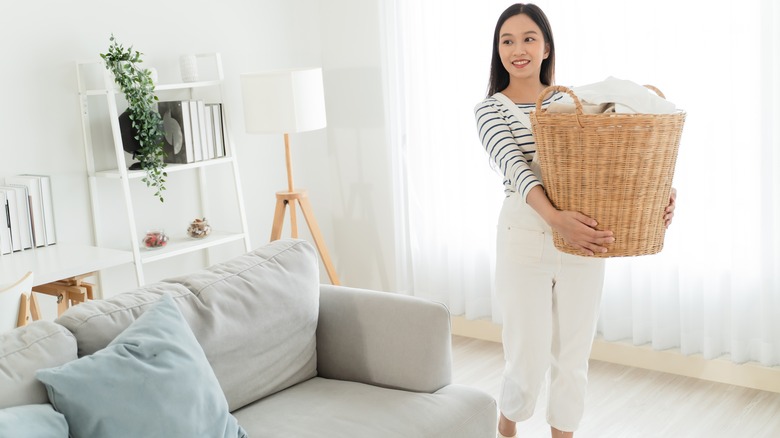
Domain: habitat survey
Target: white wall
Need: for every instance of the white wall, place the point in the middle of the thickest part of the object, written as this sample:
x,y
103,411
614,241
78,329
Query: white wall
x,y
344,167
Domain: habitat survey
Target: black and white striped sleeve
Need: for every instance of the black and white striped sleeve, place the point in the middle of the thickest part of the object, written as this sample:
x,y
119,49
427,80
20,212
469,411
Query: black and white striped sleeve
x,y
509,144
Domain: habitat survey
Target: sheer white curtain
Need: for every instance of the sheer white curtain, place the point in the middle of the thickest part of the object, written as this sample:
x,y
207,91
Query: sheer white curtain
x,y
446,189
715,289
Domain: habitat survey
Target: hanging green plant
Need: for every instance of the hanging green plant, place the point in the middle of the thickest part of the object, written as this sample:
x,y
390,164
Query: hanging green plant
x,y
137,85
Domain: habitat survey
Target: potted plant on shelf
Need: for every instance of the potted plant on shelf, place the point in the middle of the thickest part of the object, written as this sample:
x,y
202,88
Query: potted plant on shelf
x,y
137,85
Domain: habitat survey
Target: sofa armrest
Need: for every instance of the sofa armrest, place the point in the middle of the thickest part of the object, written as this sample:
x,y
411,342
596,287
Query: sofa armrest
x,y
383,339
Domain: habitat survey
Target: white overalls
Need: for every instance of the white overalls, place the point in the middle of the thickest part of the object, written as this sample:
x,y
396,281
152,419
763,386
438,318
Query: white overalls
x,y
549,302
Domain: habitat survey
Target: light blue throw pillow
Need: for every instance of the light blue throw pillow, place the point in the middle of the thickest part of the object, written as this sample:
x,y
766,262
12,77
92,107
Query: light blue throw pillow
x,y
151,380
32,421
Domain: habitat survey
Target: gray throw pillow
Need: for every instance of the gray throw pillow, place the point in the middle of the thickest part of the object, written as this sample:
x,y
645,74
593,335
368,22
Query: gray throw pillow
x,y
32,421
151,380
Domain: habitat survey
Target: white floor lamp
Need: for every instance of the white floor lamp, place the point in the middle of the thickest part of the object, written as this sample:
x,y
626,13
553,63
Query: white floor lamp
x,y
286,102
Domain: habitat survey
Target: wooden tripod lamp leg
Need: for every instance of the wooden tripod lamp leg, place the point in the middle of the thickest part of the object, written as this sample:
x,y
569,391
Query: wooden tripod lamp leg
x,y
290,186
293,220
276,229
285,199
308,214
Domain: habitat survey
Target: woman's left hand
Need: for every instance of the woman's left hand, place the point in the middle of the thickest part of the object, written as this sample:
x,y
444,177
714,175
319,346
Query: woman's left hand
x,y
669,213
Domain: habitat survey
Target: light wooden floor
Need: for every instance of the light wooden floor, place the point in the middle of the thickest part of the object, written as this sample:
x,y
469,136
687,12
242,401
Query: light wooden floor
x,y
636,403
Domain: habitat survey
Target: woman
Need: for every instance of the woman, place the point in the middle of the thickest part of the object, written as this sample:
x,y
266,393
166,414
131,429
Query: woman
x,y
549,299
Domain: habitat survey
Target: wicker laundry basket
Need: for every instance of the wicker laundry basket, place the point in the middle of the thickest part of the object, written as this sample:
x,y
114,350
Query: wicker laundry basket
x,y
614,168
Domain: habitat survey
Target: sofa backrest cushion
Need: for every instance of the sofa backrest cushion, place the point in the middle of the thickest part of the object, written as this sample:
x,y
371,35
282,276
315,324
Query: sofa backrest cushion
x,y
96,323
255,317
41,344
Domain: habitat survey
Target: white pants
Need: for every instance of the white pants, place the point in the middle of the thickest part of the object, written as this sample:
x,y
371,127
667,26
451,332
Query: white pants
x,y
550,302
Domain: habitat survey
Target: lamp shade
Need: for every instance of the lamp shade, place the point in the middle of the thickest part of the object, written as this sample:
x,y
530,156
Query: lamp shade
x,y
283,101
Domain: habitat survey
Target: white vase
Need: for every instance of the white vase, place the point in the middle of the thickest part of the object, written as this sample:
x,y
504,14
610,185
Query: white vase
x,y
188,65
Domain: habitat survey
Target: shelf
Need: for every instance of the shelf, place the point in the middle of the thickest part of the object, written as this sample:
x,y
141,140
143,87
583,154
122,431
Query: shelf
x,y
158,87
178,245
170,168
95,81
186,85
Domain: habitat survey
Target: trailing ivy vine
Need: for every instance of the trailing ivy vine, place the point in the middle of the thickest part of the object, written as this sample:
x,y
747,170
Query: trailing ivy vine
x,y
137,85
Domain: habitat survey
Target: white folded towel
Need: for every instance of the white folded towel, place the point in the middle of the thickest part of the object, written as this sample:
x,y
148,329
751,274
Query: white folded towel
x,y
628,97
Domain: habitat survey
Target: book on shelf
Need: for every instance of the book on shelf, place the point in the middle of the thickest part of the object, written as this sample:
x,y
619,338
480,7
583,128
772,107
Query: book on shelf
x,y
8,197
194,130
47,202
221,133
40,198
225,131
210,131
219,136
189,141
22,225
178,131
204,141
195,125
5,226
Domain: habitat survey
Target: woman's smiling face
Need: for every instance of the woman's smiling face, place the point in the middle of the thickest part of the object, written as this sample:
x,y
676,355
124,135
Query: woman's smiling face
x,y
522,48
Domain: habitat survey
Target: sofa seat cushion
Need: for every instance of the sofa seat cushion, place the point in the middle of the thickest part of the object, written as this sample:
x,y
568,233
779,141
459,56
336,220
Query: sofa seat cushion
x,y
323,407
254,315
23,351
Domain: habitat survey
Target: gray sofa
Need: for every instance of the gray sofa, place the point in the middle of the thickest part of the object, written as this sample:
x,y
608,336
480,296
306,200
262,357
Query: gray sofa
x,y
293,358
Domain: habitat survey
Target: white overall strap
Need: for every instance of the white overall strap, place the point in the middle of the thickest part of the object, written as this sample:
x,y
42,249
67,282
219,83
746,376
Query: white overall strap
x,y
524,120
512,107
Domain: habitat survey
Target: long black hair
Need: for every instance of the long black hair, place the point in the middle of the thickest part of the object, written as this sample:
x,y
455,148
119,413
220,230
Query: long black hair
x,y
499,77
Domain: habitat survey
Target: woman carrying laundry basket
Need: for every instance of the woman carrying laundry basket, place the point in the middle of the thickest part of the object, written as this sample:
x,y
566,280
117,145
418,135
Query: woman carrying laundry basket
x,y
549,299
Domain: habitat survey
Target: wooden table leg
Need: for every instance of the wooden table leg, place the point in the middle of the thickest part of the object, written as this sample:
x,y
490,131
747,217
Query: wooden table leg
x,y
35,311
69,291
24,311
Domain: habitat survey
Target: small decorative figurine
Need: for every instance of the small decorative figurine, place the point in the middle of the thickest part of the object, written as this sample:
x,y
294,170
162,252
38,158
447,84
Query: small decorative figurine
x,y
155,239
199,228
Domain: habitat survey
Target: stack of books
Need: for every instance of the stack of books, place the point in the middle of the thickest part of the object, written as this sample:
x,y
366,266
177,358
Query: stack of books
x,y
193,130
27,219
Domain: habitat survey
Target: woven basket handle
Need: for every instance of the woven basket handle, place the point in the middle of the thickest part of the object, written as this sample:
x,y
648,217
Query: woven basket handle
x,y
577,103
657,91
553,88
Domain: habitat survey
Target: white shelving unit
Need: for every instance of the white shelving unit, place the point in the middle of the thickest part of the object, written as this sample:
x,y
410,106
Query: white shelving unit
x,y
98,93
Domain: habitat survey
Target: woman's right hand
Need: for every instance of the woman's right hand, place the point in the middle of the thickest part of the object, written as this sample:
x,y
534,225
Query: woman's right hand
x,y
577,230
580,232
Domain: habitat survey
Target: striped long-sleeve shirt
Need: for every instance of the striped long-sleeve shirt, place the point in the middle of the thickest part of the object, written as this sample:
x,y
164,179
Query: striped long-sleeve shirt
x,y
511,145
